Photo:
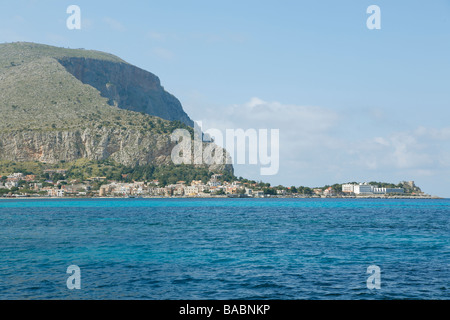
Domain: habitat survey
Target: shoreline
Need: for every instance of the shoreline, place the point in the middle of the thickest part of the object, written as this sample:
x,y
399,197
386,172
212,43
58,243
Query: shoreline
x,y
226,197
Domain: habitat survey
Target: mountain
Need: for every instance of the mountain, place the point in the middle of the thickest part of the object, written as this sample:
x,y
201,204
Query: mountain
x,y
60,104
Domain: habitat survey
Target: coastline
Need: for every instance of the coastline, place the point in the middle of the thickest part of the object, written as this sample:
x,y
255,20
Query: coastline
x,y
226,197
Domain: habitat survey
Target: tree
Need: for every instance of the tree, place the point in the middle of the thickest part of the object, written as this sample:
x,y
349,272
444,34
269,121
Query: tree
x,y
22,183
270,191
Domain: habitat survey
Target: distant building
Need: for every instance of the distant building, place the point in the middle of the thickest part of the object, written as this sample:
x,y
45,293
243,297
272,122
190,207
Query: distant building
x,y
348,188
196,182
318,191
388,190
363,188
30,177
54,192
367,189
191,190
214,183
258,194
15,177
329,192
11,184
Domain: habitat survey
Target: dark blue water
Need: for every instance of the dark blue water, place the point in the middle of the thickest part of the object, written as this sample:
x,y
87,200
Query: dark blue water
x,y
225,248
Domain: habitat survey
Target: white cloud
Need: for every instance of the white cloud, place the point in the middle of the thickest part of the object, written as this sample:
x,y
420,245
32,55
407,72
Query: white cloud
x,y
114,24
163,53
259,114
154,35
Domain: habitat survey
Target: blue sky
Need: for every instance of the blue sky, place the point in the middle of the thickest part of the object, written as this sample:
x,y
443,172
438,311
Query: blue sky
x,y
352,104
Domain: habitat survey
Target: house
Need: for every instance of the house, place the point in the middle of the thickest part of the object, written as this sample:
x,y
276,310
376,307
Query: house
x,y
15,177
11,184
329,192
348,188
30,177
258,194
55,192
191,191
318,191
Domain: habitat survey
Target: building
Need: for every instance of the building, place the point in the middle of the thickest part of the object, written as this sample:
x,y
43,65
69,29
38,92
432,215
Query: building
x,y
258,194
388,190
11,184
15,177
196,182
363,188
55,192
367,189
191,191
348,188
318,191
329,192
30,177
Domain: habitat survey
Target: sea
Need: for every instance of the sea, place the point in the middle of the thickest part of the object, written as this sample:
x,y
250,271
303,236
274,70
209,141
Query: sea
x,y
222,249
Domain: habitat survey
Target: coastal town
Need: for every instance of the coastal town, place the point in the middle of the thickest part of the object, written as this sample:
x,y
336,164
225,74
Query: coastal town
x,y
19,185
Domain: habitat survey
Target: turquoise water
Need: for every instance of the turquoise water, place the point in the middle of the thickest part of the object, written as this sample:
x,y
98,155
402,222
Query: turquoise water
x,y
225,248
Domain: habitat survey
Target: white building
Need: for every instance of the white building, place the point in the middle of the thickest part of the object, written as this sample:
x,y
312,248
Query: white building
x,y
348,188
258,194
388,190
363,188
54,192
15,176
191,190
11,184
366,189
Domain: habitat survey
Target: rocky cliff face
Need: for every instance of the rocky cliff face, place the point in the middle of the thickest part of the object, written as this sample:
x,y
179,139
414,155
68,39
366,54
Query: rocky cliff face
x,y
127,147
127,87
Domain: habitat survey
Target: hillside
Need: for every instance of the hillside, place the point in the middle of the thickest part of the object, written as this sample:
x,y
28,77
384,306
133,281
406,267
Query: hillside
x,y
62,105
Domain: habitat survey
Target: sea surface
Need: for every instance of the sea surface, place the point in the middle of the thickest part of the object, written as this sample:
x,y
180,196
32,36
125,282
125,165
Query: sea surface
x,y
208,249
